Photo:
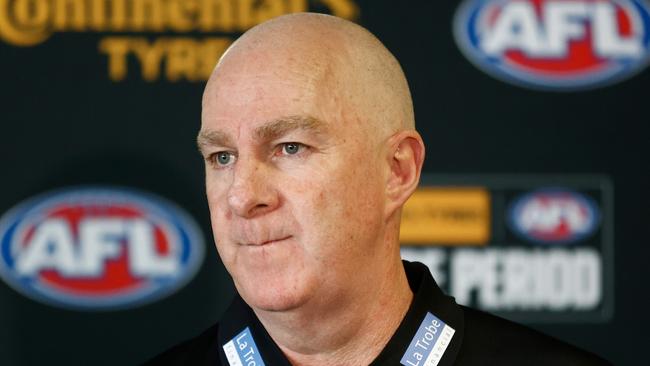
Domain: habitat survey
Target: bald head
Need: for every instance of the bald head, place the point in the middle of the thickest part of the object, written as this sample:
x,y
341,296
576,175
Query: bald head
x,y
364,83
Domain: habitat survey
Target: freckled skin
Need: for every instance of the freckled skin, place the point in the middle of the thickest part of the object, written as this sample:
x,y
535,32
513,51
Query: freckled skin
x,y
330,282
325,202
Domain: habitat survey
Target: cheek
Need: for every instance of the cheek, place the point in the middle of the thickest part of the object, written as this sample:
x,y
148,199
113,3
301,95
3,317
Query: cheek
x,y
215,200
216,190
358,183
361,206
343,209
219,215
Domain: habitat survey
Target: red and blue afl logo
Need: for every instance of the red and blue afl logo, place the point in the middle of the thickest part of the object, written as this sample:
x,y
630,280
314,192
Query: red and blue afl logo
x,y
554,216
98,248
557,45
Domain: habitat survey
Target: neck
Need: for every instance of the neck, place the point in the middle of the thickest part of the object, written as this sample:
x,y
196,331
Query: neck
x,y
346,329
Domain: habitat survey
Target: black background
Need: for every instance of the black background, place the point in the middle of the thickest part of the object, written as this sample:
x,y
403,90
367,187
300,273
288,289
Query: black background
x,y
65,123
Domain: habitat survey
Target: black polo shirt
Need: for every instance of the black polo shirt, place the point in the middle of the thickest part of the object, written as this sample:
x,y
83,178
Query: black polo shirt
x,y
435,331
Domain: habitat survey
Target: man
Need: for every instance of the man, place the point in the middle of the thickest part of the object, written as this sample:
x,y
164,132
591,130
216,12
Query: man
x,y
311,151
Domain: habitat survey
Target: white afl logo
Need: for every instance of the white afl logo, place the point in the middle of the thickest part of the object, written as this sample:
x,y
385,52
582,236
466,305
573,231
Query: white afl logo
x,y
98,248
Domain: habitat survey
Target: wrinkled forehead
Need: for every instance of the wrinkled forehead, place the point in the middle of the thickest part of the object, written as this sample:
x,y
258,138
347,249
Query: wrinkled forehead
x,y
261,85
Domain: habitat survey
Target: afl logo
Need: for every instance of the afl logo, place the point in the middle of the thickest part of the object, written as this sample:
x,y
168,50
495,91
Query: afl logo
x,y
98,248
557,45
554,216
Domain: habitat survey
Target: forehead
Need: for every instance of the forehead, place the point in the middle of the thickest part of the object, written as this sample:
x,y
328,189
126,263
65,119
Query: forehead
x,y
256,87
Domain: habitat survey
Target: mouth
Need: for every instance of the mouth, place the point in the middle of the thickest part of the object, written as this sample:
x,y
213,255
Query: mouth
x,y
268,242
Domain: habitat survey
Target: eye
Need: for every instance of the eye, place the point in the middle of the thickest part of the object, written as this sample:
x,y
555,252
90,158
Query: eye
x,y
292,148
222,158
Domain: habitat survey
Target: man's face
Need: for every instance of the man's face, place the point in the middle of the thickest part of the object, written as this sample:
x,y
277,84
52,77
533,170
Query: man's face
x,y
295,184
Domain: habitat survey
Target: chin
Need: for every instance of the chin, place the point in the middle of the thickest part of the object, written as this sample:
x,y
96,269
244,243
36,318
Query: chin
x,y
273,294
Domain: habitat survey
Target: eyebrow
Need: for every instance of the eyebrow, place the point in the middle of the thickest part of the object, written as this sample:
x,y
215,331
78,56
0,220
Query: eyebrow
x,y
269,131
281,126
212,138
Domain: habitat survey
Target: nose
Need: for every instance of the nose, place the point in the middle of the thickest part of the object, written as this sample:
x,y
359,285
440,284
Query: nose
x,y
251,192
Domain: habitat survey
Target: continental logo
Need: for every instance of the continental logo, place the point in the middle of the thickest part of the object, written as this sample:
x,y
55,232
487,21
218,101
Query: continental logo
x,y
446,215
28,23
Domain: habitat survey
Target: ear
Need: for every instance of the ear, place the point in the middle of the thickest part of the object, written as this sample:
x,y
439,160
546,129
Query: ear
x,y
405,158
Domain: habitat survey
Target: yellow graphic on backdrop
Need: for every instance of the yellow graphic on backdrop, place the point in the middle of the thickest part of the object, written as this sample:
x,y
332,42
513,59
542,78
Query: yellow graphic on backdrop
x,y
30,22
446,215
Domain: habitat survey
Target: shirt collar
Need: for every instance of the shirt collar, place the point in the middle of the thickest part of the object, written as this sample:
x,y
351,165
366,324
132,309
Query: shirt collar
x,y
427,299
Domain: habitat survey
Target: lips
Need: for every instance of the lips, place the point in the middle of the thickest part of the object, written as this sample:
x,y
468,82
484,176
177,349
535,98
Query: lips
x,y
261,243
258,233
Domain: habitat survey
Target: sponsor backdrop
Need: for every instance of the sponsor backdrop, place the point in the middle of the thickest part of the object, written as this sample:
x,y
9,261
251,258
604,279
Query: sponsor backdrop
x,y
532,203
